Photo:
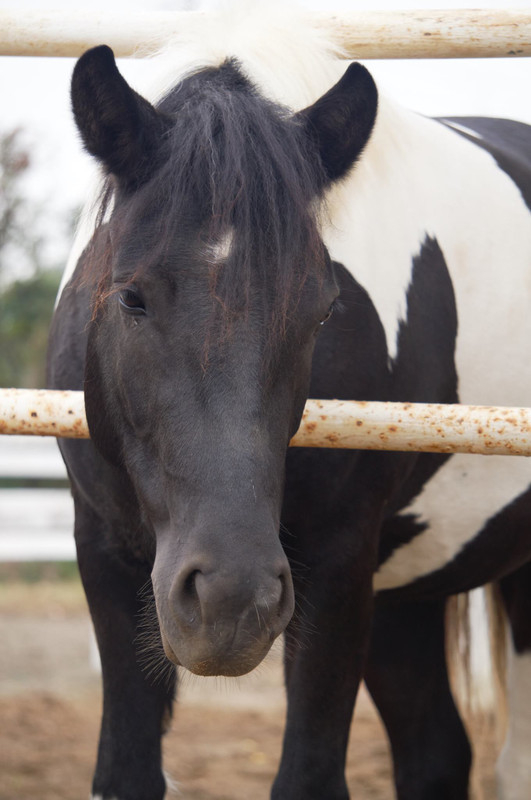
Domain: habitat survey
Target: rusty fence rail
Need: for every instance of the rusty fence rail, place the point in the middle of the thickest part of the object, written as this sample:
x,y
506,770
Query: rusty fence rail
x,y
419,427
455,33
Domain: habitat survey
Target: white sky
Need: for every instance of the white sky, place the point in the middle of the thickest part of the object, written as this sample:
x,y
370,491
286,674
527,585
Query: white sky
x,y
34,92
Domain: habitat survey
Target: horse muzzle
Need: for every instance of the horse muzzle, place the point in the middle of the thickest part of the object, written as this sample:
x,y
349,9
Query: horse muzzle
x,y
222,620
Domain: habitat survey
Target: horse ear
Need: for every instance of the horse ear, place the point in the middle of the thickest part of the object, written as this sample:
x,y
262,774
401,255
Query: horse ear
x,y
341,121
118,127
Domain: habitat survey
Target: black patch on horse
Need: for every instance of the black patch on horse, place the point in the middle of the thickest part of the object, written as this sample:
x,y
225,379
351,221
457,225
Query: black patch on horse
x,y
422,372
424,367
508,141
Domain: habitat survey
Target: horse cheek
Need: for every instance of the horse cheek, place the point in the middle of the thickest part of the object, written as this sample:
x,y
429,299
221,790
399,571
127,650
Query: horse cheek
x,y
101,422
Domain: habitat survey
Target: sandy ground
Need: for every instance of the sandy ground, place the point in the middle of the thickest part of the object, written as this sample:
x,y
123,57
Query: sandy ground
x,y
226,737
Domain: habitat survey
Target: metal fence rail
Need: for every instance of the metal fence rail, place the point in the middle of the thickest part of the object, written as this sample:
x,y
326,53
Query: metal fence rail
x,y
419,427
361,34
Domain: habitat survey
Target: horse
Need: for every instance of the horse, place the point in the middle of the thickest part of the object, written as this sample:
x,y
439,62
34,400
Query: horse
x,y
271,227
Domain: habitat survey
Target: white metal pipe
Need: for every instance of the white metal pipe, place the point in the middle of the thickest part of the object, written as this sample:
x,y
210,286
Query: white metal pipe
x,y
41,412
416,427
419,427
362,34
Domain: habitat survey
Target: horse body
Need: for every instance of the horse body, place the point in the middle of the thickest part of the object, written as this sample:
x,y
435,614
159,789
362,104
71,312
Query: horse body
x,y
191,322
469,523
474,205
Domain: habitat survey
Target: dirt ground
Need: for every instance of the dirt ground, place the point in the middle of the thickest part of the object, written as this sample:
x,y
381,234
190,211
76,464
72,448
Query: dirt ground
x,y
226,737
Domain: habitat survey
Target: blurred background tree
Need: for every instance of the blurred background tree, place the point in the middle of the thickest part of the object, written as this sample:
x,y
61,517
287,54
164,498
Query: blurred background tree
x,y
28,282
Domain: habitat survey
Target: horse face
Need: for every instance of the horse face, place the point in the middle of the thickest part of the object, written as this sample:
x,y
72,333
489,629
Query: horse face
x,y
200,349
203,417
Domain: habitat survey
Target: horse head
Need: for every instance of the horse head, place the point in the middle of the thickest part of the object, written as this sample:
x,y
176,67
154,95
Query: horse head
x,y
211,284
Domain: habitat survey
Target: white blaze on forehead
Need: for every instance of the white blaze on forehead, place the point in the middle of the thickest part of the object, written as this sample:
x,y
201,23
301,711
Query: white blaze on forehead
x,y
218,250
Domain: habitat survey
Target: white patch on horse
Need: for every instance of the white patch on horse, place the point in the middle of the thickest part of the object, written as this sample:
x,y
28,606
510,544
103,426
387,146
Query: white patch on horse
x,y
85,229
217,252
513,769
172,786
254,34
100,797
465,492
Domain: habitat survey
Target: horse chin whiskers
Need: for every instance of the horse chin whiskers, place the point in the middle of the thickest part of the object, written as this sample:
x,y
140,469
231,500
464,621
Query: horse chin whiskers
x,y
222,684
298,636
149,648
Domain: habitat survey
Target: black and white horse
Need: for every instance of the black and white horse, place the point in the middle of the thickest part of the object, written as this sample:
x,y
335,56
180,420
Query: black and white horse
x,y
272,229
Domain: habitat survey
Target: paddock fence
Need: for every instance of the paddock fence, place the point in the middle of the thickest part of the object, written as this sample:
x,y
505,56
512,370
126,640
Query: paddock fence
x,y
364,35
361,34
364,425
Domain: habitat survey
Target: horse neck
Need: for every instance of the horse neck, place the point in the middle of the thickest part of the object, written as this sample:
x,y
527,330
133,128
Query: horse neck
x,y
418,179
403,190
374,220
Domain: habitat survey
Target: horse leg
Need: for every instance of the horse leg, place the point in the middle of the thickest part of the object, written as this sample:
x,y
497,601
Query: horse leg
x,y
407,678
135,710
325,654
514,764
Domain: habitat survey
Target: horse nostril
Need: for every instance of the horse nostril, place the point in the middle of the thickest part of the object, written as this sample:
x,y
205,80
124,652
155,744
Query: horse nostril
x,y
189,589
205,599
285,603
282,595
187,601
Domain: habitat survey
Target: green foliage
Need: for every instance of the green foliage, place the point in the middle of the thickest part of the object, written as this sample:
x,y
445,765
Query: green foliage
x,y
18,243
26,309
26,303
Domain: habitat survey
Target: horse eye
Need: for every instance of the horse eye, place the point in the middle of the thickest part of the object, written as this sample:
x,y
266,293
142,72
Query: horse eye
x,y
131,302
